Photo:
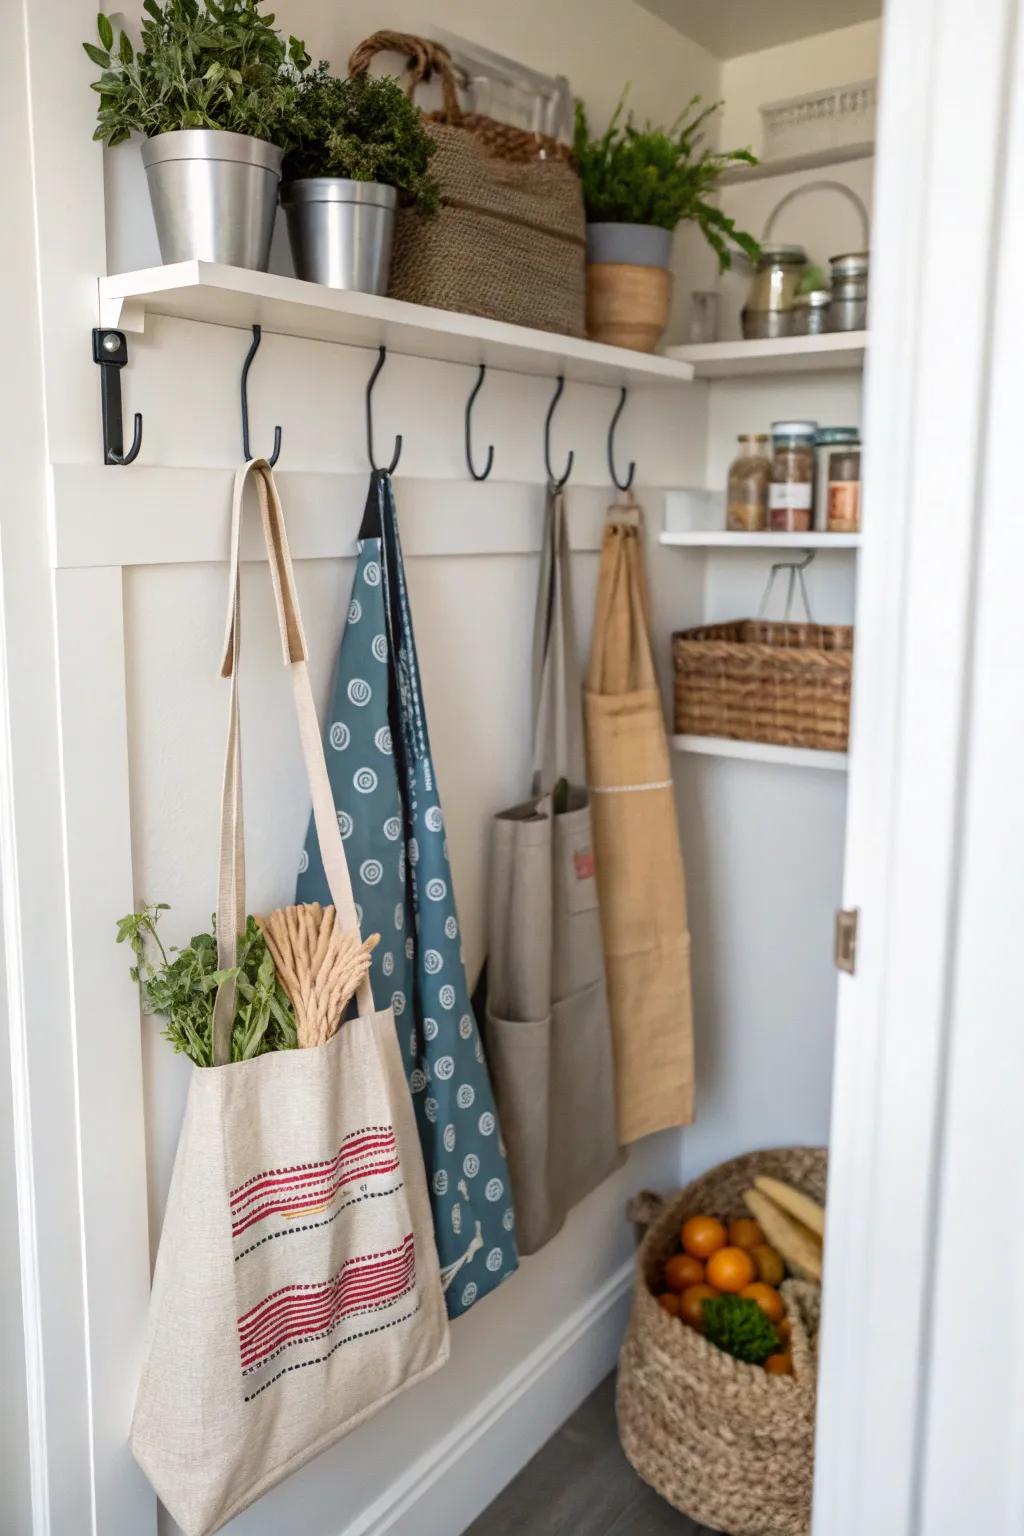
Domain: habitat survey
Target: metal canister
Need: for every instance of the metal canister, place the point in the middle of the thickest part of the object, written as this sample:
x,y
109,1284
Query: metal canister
x,y
849,310
811,312
768,312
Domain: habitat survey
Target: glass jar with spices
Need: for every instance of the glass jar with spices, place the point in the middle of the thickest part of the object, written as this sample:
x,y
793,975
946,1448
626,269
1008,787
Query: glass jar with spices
x,y
843,504
749,475
827,439
791,491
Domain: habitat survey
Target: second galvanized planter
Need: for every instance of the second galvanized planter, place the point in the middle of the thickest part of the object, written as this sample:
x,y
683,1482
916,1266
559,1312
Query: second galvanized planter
x,y
341,231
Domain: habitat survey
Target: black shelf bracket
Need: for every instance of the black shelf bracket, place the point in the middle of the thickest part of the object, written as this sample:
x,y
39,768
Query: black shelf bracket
x,y
110,350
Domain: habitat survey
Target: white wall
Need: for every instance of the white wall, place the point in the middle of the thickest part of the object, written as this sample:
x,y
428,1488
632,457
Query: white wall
x,y
774,74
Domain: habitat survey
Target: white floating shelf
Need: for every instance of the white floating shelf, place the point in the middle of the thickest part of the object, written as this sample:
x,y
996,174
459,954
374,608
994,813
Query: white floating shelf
x,y
720,538
761,752
201,290
839,351
816,160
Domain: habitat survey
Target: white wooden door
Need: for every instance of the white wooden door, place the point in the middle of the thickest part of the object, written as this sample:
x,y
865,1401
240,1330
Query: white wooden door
x,y
923,1359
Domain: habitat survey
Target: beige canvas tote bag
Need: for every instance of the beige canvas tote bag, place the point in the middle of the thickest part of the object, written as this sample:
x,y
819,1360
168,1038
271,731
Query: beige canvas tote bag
x,y
296,1289
636,841
548,1035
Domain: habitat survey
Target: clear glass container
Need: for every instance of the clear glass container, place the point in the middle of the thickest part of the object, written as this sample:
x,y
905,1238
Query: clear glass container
x,y
749,477
791,491
829,439
768,312
843,502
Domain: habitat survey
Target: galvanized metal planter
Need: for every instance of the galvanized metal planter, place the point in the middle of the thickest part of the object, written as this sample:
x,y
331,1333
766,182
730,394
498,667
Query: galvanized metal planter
x,y
214,195
341,231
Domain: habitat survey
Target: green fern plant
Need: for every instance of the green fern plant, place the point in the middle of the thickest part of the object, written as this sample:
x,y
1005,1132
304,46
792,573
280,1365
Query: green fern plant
x,y
648,175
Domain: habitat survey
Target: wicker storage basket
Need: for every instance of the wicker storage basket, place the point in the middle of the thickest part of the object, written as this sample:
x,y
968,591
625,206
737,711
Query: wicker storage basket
x,y
509,241
758,680
727,1444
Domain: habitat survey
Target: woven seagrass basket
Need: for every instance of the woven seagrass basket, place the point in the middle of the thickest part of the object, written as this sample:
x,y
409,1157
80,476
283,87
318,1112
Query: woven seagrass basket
x,y
724,1442
760,680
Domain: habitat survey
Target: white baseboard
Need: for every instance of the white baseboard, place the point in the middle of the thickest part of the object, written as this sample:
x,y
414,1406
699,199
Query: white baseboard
x,y
441,1494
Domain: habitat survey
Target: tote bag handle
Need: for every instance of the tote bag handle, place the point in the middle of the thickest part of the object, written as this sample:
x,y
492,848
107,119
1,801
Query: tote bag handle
x,y
557,698
231,909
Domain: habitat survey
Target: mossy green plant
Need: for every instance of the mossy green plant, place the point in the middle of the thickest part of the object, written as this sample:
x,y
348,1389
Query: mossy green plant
x,y
738,1325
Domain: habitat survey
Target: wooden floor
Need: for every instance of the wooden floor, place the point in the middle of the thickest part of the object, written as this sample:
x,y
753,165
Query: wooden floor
x,y
580,1484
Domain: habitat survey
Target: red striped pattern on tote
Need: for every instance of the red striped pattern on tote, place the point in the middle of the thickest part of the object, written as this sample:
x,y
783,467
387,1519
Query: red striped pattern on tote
x,y
308,1187
300,1312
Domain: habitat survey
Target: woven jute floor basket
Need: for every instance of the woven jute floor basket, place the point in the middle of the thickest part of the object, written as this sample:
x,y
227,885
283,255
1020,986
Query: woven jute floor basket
x,y
726,1443
760,680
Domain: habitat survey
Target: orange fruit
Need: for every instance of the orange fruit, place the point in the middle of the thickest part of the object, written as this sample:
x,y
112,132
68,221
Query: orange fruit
x,y
768,1263
780,1364
702,1235
668,1301
683,1270
691,1304
730,1269
746,1233
767,1298
784,1329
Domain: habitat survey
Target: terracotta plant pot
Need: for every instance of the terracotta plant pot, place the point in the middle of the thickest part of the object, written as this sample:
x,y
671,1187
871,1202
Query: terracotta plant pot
x,y
627,306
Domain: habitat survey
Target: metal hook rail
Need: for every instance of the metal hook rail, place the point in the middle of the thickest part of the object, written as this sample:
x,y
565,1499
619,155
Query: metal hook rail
x,y
110,350
382,353
477,474
556,482
257,336
620,485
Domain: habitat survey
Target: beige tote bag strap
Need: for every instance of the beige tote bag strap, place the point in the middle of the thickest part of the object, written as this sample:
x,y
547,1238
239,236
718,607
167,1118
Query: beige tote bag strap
x,y
231,909
557,695
620,654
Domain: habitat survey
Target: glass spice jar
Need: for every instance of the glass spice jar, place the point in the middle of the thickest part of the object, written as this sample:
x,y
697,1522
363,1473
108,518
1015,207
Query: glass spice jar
x,y
791,492
749,475
843,502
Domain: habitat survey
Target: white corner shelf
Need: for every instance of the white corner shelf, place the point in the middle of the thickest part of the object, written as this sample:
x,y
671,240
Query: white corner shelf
x,y
839,351
761,752
720,538
815,160
218,295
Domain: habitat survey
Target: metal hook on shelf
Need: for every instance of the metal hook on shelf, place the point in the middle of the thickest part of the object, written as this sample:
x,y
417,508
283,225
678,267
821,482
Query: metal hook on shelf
x,y
796,569
552,477
110,350
382,353
477,474
257,336
620,485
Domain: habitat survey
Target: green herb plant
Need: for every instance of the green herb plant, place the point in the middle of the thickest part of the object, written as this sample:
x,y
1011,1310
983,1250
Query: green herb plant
x,y
182,988
737,1325
364,128
659,176
218,65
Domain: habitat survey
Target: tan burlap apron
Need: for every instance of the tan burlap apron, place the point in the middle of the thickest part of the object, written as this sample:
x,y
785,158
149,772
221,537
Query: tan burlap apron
x,y
636,844
297,1287
548,1034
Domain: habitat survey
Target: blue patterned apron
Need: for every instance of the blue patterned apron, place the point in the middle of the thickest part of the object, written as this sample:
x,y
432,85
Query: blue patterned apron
x,y
388,805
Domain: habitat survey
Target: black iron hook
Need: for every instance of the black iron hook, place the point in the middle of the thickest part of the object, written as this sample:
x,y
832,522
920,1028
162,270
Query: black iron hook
x,y
382,353
110,350
477,474
257,336
621,485
554,479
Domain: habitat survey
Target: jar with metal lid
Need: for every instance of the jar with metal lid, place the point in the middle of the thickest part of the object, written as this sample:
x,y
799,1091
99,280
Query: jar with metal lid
x,y
768,312
828,439
749,475
843,486
811,312
791,492
849,311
